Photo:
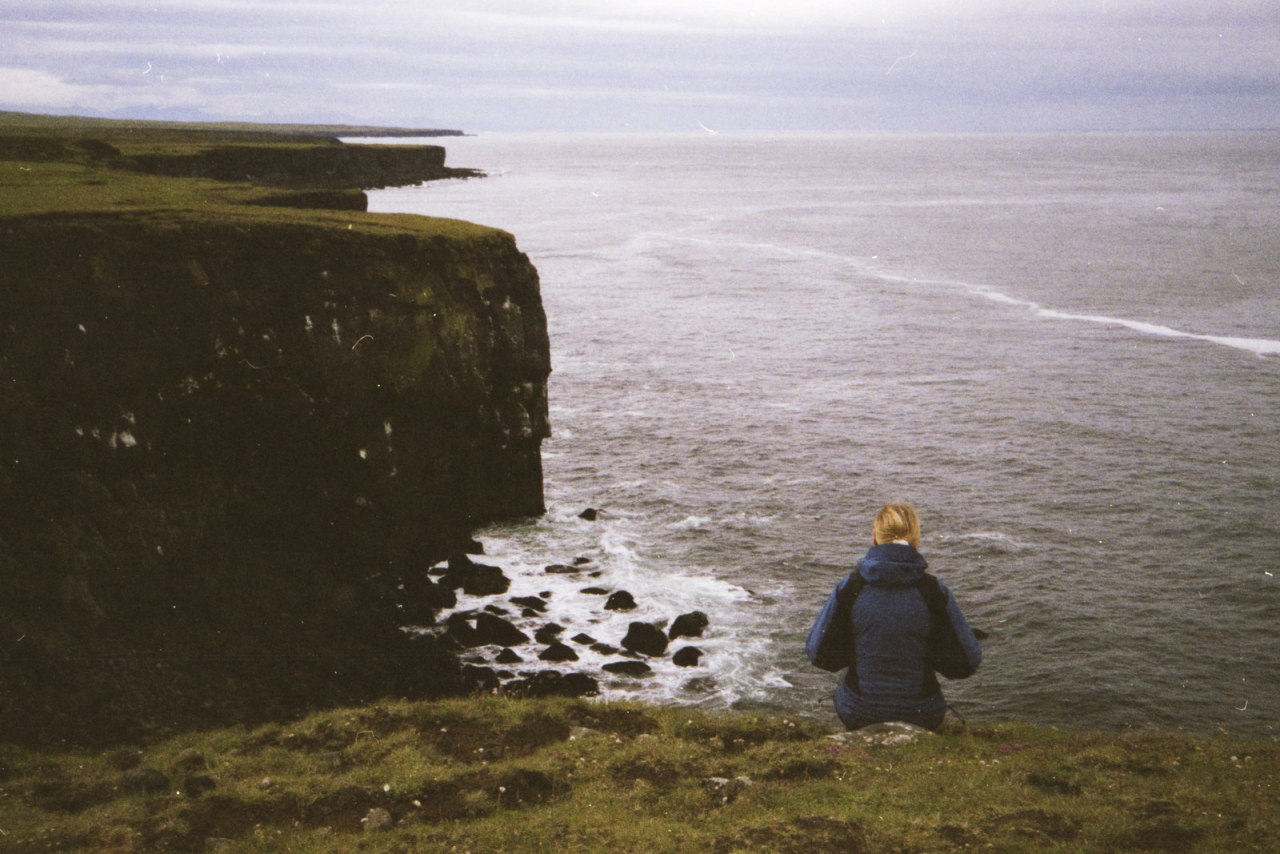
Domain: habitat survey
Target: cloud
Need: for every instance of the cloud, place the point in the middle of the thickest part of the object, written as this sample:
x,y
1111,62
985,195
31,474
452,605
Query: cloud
x,y
649,64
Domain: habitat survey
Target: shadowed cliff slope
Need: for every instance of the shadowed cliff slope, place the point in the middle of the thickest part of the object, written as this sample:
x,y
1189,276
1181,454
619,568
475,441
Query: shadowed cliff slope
x,y
231,433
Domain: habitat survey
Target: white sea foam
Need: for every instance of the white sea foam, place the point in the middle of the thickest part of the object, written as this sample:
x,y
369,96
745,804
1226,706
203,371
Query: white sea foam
x,y
1259,346
734,646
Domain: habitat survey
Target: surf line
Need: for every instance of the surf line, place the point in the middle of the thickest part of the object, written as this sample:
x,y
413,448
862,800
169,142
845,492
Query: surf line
x,y
1261,347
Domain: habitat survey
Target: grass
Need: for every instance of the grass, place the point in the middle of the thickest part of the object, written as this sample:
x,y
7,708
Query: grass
x,y
55,165
491,773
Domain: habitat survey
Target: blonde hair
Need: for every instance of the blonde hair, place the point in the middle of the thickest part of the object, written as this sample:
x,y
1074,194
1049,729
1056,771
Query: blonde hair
x,y
897,522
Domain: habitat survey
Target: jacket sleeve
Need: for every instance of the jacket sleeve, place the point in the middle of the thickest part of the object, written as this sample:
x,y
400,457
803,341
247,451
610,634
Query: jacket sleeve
x,y
956,651
821,626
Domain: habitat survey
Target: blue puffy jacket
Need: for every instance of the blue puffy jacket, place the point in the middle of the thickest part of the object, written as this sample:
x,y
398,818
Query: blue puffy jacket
x,y
893,676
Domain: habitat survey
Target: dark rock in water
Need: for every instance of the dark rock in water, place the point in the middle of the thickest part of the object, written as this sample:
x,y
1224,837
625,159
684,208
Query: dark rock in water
x,y
594,591
550,683
645,639
583,638
548,633
475,579
687,656
532,602
492,629
604,648
496,609
591,514
461,630
980,634
507,656
558,652
628,668
689,625
562,569
620,601
475,547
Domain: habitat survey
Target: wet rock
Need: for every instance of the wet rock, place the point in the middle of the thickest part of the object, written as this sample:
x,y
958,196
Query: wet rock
x,y
551,683
461,630
583,638
628,668
548,633
594,591
687,657
475,579
604,648
492,629
645,639
689,625
508,656
620,601
558,652
591,514
562,569
533,603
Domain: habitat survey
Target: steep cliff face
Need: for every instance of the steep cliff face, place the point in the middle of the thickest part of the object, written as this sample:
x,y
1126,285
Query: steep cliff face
x,y
230,439
329,166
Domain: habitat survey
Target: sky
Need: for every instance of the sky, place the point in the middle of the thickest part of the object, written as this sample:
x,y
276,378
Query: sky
x,y
653,65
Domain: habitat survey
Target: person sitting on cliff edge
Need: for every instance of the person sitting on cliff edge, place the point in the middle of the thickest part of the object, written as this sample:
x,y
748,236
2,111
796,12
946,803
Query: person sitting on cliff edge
x,y
895,627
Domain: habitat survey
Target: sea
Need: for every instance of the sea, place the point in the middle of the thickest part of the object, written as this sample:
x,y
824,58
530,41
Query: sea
x,y
1063,350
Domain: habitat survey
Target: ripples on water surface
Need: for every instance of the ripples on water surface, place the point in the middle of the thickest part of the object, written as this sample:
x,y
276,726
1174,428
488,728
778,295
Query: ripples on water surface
x,y
1064,350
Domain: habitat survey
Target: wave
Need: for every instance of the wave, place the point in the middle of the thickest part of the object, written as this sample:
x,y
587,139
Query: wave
x,y
1261,347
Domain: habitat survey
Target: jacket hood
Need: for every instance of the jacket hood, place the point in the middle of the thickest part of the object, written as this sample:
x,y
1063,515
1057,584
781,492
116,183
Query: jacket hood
x,y
892,564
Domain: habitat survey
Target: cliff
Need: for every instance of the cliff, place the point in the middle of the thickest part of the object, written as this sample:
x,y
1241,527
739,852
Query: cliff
x,y
232,434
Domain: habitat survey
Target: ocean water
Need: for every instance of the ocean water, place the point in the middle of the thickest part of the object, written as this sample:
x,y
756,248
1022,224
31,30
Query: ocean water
x,y
1063,350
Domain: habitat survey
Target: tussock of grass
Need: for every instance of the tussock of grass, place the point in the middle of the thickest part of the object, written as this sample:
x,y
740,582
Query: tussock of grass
x,y
489,774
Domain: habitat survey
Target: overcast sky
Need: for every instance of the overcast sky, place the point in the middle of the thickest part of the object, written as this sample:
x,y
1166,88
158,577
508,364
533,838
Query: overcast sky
x,y
669,65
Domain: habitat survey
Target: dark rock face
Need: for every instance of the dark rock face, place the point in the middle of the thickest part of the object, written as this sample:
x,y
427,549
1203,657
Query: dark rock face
x,y
218,428
328,165
475,579
645,639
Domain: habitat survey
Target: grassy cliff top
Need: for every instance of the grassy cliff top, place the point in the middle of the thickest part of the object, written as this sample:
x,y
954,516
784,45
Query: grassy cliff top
x,y
497,774
70,166
139,129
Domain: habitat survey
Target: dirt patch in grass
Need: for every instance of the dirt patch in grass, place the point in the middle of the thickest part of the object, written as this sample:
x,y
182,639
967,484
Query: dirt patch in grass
x,y
801,836
1035,824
